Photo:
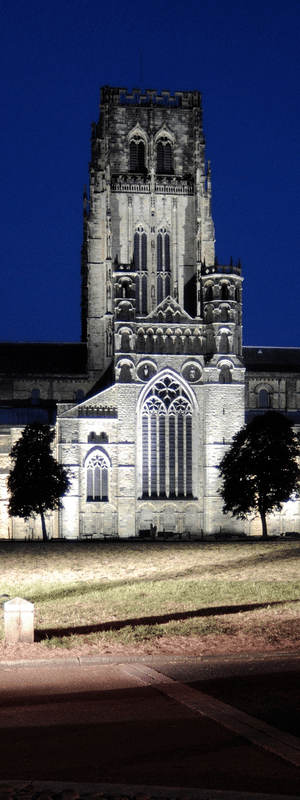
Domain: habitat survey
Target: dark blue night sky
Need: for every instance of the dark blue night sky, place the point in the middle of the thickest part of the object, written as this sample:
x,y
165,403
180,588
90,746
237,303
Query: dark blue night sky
x,y
243,55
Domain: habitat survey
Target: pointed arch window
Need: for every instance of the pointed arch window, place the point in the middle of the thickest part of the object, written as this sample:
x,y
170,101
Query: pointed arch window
x,y
163,264
96,478
140,249
140,263
164,157
163,250
167,441
137,155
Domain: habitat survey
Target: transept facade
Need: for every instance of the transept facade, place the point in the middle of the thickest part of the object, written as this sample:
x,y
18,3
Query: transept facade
x,y
146,404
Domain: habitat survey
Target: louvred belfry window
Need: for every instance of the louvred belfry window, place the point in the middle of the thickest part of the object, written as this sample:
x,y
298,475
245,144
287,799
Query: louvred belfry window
x,y
96,478
137,155
164,157
167,441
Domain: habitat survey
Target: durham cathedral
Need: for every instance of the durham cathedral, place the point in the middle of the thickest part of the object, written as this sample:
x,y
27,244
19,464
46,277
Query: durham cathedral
x,y
146,404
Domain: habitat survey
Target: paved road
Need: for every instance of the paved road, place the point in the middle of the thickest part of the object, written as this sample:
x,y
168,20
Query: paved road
x,y
126,723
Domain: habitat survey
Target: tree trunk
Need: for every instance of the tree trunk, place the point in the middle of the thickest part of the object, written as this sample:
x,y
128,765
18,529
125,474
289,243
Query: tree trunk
x,y
263,523
45,537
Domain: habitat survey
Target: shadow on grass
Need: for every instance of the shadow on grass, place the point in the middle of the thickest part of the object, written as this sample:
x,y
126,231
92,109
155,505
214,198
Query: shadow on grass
x,y
239,565
115,625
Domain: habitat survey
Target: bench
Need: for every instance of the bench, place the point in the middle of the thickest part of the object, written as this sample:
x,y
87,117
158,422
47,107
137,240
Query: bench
x,y
99,535
168,534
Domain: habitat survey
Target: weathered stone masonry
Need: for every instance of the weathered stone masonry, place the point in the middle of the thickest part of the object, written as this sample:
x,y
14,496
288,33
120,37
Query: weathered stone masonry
x,y
147,403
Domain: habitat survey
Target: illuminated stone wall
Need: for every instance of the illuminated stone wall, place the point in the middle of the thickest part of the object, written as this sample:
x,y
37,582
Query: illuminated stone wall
x,y
149,402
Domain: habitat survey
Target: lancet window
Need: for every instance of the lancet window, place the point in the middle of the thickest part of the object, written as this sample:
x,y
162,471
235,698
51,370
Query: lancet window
x,y
167,441
163,264
140,263
96,478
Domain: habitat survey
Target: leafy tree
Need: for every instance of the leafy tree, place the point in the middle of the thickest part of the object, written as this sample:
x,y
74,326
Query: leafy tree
x,y
260,471
37,481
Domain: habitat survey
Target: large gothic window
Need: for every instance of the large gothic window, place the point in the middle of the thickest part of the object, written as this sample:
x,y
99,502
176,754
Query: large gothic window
x,y
167,441
96,477
164,157
163,264
137,155
140,263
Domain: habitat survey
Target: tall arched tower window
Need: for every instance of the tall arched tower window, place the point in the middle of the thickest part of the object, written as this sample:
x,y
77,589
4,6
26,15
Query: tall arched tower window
x,y
140,249
167,441
140,262
164,156
163,264
96,477
137,155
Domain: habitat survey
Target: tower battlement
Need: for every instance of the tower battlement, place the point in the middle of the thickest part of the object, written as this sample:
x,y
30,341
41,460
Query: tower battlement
x,y
150,97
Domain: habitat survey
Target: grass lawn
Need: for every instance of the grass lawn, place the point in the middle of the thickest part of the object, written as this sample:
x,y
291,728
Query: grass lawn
x,y
150,597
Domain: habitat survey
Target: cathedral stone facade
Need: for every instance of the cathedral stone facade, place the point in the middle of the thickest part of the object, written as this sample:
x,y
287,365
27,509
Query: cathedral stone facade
x,y
146,405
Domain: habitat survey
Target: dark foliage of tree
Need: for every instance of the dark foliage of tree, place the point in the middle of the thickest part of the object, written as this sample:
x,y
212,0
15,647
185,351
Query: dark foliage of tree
x,y
36,481
260,471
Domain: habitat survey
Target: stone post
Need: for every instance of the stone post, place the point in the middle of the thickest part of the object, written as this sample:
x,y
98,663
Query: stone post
x,y
18,621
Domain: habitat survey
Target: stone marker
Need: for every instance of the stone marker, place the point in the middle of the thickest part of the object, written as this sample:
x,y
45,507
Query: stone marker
x,y
18,621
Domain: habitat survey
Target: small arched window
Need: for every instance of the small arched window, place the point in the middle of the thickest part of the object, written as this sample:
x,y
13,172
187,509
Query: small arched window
x,y
137,155
164,157
224,313
225,375
35,397
263,399
125,342
124,310
224,291
224,343
149,342
208,293
96,478
209,314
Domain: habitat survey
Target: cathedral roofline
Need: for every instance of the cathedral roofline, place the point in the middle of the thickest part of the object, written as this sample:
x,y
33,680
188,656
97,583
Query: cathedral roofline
x,y
272,359
43,358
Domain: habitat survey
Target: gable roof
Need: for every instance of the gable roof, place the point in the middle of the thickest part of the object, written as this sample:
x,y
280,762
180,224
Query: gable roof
x,y
169,307
272,359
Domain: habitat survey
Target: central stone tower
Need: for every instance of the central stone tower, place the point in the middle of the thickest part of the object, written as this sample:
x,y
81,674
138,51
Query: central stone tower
x,y
149,231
